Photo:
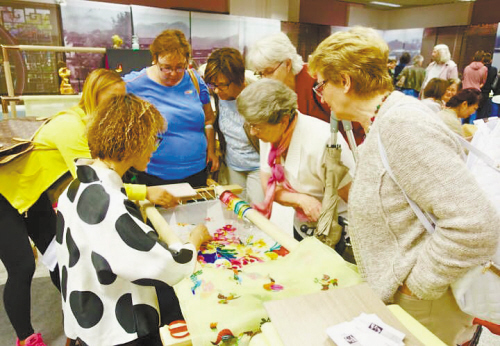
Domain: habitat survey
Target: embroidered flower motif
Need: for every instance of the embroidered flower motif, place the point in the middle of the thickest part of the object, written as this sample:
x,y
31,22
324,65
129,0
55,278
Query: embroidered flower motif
x,y
273,286
325,282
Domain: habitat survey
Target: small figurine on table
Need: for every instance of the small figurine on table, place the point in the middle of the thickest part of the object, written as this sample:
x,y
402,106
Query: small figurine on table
x,y
117,41
65,88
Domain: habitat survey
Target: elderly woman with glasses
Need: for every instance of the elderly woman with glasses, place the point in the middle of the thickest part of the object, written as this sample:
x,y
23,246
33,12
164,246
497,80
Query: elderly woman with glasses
x,y
276,57
183,99
292,152
409,153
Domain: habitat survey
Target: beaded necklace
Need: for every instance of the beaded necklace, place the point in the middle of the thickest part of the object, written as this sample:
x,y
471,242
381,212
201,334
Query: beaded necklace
x,y
372,119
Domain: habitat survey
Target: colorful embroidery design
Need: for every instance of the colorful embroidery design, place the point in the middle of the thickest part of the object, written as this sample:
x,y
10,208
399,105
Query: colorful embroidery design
x,y
326,282
273,286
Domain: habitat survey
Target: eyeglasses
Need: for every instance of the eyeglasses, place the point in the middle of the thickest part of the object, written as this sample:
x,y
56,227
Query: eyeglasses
x,y
221,87
268,72
257,127
319,88
169,70
158,141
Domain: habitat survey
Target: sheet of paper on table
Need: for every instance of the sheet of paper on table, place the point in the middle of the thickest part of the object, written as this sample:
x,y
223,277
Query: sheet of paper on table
x,y
180,190
303,320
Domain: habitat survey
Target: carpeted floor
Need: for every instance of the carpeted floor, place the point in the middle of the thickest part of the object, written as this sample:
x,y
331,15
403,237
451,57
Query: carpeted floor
x,y
46,315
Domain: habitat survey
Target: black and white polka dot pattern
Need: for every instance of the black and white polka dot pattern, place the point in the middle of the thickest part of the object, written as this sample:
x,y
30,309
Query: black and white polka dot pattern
x,y
110,262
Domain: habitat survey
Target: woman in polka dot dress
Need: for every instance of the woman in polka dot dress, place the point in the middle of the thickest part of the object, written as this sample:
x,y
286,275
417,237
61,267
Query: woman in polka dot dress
x,y
116,273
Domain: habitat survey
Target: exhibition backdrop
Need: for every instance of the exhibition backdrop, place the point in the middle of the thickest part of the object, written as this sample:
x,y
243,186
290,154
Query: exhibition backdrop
x,y
92,24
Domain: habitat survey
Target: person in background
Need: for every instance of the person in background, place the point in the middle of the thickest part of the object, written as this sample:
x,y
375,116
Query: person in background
x,y
117,272
454,86
275,57
401,261
403,61
292,152
442,66
475,73
412,77
485,105
35,181
225,75
182,97
460,106
391,66
433,94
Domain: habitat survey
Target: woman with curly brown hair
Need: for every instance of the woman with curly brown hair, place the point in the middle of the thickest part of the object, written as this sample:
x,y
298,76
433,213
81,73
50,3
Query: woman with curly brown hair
x,y
116,271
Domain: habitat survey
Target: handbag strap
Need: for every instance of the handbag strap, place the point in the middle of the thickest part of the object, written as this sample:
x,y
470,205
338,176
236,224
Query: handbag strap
x,y
480,154
416,209
194,80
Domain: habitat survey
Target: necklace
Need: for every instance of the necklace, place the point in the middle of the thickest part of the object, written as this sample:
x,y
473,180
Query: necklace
x,y
377,108
380,104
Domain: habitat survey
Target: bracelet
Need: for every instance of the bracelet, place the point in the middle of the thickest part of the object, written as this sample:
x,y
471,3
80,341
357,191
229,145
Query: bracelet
x,y
209,126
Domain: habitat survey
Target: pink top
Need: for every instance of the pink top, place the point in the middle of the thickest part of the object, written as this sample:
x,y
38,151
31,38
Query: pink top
x,y
475,75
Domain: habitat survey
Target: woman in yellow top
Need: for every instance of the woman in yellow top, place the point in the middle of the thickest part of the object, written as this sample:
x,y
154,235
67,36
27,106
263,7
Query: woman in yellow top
x,y
26,209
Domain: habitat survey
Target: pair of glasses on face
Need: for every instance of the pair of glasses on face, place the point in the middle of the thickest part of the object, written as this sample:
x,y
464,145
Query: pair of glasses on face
x,y
268,72
319,88
220,87
256,127
169,70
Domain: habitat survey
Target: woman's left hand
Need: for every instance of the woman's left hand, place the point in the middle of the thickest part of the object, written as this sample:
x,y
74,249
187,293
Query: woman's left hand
x,y
159,196
214,160
311,207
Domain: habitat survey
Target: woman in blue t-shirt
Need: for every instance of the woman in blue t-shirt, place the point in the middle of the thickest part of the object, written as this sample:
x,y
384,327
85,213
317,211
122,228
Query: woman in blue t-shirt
x,y
183,99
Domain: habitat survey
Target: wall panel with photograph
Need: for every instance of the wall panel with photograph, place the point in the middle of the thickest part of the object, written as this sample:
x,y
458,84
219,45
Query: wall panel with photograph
x,y
92,24
212,31
496,54
149,22
403,40
30,23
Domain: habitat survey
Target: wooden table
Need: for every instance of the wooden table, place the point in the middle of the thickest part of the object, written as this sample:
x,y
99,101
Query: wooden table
x,y
303,320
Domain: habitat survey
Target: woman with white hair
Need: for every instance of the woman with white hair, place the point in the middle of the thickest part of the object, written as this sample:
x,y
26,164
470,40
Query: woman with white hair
x,y
276,57
292,152
442,66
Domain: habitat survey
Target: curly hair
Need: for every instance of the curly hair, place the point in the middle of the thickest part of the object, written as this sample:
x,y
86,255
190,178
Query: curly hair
x,y
359,53
124,127
227,62
170,42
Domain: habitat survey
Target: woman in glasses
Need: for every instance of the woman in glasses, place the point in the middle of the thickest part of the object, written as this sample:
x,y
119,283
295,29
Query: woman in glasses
x,y
275,57
408,150
225,75
292,152
182,97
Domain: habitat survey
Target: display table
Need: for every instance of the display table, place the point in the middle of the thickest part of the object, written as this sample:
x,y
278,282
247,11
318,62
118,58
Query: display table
x,y
303,320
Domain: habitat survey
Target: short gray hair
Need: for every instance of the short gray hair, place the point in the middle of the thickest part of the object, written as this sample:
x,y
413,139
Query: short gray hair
x,y
418,59
444,53
272,50
267,101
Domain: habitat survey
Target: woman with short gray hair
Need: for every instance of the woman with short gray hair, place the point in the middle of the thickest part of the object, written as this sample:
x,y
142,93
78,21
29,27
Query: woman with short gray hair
x,y
292,152
275,57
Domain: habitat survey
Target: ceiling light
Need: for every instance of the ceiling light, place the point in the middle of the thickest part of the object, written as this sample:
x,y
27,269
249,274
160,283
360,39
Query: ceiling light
x,y
388,4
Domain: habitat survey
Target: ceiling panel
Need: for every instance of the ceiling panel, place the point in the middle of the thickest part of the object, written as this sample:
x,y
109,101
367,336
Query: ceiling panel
x,y
402,3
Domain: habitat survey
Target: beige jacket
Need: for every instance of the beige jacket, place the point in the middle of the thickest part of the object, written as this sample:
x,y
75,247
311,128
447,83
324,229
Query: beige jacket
x,y
390,244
